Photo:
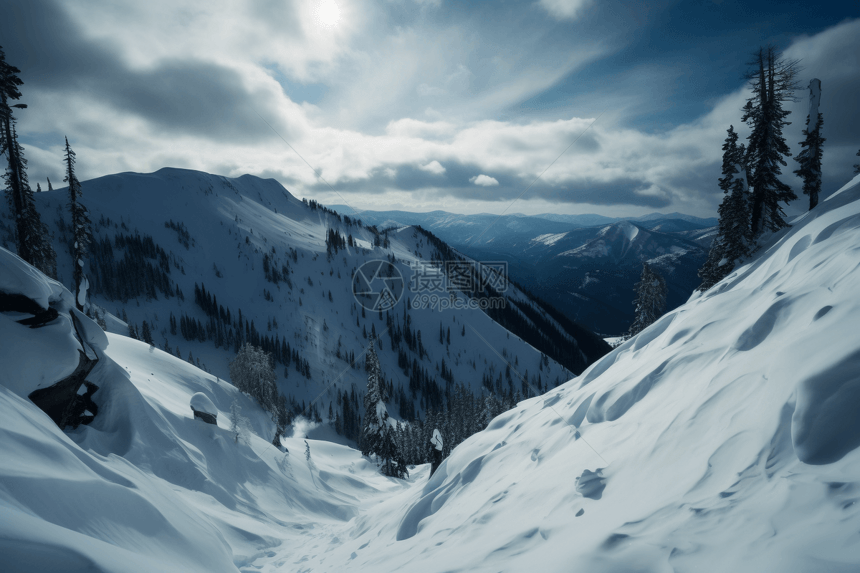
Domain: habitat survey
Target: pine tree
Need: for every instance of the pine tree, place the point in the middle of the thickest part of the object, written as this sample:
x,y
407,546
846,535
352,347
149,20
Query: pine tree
x,y
650,300
33,240
238,423
377,437
146,334
283,415
375,414
810,156
731,242
773,81
252,372
82,234
393,464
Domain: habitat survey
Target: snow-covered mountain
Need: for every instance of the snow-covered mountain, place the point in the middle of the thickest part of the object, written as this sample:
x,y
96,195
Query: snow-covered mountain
x,y
211,262
584,265
722,438
482,228
590,273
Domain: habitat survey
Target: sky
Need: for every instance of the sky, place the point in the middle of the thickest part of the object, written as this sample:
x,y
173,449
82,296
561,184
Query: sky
x,y
547,106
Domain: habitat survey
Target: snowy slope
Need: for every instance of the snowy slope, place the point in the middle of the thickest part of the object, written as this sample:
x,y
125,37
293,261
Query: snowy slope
x,y
725,436
148,488
215,232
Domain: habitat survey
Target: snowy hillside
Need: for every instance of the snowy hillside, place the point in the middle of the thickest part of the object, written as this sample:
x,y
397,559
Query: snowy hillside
x,y
722,438
146,487
261,260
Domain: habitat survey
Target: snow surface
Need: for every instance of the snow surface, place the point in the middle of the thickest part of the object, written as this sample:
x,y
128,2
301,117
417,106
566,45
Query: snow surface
x,y
33,358
722,438
726,434
201,403
17,277
630,230
549,239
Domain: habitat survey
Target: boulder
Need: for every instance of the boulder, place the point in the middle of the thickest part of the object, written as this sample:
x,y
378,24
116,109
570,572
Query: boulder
x,y
204,409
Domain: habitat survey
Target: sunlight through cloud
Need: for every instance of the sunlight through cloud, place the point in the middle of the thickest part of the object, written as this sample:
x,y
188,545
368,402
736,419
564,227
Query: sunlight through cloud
x,y
327,14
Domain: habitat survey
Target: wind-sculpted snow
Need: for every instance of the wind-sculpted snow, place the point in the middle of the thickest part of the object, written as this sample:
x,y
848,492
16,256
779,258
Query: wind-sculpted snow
x,y
146,487
17,277
723,438
35,358
825,426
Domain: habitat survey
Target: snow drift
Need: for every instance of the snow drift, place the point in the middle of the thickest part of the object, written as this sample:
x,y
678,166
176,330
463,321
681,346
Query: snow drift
x,y
722,438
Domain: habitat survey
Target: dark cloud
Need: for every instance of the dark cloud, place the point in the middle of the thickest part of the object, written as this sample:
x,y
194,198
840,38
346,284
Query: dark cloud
x,y
193,98
455,183
176,97
41,40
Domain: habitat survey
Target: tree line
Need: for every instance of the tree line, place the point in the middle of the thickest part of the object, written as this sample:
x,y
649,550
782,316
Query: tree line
x,y
33,239
754,195
552,335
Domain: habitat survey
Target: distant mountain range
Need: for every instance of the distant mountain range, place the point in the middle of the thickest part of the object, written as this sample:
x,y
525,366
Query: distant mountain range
x,y
585,265
517,221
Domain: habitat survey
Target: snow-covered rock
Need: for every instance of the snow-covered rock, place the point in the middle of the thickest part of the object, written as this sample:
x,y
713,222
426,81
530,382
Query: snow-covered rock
x,y
18,277
34,358
47,346
90,332
203,408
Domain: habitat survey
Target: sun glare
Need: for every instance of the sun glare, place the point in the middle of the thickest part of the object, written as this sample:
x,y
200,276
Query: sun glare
x,y
327,14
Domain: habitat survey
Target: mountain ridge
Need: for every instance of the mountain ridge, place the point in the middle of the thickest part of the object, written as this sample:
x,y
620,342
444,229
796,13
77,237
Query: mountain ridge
x,y
211,262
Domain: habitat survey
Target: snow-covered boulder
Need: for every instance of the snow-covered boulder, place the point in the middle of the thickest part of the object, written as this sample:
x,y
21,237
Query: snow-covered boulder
x,y
17,277
47,347
204,409
25,293
89,331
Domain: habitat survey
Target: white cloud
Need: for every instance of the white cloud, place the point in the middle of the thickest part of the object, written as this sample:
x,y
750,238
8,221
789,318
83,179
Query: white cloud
x,y
433,167
380,83
564,9
484,180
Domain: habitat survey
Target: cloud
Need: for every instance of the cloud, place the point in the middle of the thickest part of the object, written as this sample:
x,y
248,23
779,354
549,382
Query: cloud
x,y
564,9
484,180
166,84
433,167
